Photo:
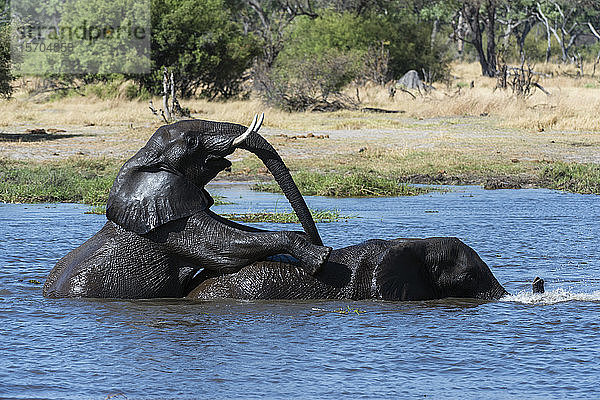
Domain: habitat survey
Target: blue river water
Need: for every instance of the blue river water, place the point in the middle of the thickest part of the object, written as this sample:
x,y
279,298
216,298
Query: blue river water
x,y
523,346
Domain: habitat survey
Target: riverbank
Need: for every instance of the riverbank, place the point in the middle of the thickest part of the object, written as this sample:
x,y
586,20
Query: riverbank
x,y
342,171
78,165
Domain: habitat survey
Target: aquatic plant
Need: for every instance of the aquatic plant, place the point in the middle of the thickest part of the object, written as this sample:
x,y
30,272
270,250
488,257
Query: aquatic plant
x,y
346,310
288,217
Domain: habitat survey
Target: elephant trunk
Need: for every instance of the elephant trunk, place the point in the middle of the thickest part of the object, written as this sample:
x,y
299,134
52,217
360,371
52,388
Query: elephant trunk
x,y
258,145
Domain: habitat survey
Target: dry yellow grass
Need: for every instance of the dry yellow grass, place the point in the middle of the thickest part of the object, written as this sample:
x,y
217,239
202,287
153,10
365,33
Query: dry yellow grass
x,y
573,105
82,111
479,120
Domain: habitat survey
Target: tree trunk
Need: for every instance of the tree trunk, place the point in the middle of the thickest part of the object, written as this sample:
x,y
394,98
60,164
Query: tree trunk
x,y
542,17
491,38
434,31
473,16
460,34
166,94
521,38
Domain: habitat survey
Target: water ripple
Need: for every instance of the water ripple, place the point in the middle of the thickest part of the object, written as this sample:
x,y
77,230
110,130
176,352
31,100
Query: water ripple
x,y
523,346
552,297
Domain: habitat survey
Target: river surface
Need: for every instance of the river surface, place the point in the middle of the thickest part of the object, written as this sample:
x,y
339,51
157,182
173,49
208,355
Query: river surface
x,y
523,346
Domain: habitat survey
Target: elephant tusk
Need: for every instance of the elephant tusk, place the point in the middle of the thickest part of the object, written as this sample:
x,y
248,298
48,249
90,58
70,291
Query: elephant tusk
x,y
260,121
254,127
240,139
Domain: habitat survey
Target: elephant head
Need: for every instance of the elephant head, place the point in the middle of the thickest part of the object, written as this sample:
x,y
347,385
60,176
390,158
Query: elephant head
x,y
165,180
435,268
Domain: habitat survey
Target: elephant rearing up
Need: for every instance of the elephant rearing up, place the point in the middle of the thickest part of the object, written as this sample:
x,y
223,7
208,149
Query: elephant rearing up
x,y
160,230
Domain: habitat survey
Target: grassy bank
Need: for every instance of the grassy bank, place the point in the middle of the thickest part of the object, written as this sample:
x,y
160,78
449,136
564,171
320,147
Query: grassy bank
x,y
381,172
576,178
80,180
369,173
75,180
346,184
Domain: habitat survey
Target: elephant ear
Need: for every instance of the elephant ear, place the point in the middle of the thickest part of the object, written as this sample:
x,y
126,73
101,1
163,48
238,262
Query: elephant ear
x,y
401,275
145,197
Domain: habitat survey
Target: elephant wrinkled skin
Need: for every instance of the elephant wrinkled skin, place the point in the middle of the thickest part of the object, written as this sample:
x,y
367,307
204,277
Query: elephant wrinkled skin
x,y
160,231
400,269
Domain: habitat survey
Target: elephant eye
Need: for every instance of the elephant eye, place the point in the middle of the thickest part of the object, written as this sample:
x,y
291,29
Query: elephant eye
x,y
192,142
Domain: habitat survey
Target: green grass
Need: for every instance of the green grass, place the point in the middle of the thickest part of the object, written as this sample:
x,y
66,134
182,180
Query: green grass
x,y
75,180
350,184
570,177
99,210
289,217
344,311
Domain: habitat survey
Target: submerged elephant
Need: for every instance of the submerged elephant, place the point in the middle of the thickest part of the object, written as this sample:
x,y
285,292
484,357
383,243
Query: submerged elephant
x,y
160,231
400,269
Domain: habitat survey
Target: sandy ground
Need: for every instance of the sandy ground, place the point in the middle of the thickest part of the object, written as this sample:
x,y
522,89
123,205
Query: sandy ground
x,y
479,135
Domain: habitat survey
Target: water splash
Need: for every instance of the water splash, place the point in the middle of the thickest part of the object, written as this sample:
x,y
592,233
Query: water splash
x,y
551,297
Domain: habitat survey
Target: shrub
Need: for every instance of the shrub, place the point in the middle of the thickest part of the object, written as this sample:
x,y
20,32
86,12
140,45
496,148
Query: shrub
x,y
203,44
316,80
324,54
6,75
321,56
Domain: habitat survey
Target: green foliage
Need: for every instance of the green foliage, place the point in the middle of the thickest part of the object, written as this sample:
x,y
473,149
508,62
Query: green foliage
x,y
320,57
289,217
352,184
323,54
6,75
83,37
204,45
76,180
411,48
344,32
297,84
571,177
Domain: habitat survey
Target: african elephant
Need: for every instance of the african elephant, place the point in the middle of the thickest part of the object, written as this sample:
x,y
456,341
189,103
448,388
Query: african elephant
x,y
400,269
160,230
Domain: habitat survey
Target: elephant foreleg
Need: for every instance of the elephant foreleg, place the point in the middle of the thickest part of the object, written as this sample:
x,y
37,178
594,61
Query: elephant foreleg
x,y
210,243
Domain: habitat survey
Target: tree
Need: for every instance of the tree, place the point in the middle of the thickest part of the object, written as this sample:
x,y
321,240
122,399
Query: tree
x,y
82,37
6,74
321,57
563,20
324,54
518,18
203,44
480,16
270,19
